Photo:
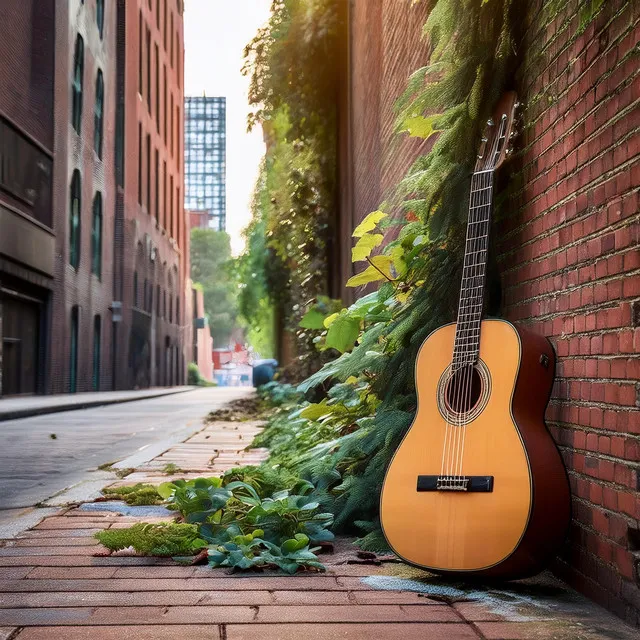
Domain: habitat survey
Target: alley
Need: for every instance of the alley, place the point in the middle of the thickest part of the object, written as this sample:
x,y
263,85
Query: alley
x,y
43,455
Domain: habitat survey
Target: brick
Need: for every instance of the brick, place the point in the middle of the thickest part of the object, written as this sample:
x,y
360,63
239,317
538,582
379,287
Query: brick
x,y
359,613
156,632
390,631
71,573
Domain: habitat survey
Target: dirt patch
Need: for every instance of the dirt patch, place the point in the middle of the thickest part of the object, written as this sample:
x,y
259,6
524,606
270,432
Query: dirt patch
x,y
240,410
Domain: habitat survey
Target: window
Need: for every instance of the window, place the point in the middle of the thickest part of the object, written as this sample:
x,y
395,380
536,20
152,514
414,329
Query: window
x,y
148,158
171,36
73,349
148,52
140,55
145,294
177,310
158,300
96,236
157,189
158,14
98,115
76,87
164,100
164,304
178,60
178,146
171,116
157,68
140,163
164,23
135,288
97,330
100,16
170,229
170,309
164,194
74,221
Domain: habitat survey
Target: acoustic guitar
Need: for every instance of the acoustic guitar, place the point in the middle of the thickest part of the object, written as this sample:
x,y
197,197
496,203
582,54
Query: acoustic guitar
x,y
477,485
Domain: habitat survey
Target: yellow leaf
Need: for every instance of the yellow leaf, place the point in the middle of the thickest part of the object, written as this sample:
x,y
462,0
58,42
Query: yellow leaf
x,y
380,269
367,243
329,320
421,127
369,223
402,297
351,380
399,264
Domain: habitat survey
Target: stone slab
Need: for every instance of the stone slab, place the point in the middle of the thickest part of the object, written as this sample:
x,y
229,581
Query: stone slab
x,y
195,632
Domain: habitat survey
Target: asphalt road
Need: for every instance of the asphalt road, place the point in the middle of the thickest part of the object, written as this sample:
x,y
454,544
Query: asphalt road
x,y
34,466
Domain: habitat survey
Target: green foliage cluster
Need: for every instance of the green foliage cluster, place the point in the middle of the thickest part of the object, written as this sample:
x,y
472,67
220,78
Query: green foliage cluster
x,y
213,269
162,539
194,377
293,87
136,495
248,525
344,442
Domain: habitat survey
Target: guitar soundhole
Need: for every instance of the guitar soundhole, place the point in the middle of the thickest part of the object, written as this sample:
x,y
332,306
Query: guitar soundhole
x,y
464,390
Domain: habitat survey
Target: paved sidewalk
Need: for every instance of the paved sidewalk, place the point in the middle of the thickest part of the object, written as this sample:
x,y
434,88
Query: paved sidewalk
x,y
57,583
26,406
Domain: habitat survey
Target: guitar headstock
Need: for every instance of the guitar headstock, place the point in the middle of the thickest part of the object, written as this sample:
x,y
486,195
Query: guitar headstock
x,y
497,134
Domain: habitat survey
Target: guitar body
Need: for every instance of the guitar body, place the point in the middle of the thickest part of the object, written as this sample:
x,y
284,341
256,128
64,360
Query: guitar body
x,y
512,529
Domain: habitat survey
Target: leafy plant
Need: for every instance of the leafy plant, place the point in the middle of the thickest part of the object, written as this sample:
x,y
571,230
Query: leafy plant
x,y
154,539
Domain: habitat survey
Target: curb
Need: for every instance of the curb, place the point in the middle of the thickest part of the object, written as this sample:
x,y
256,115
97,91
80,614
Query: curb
x,y
89,404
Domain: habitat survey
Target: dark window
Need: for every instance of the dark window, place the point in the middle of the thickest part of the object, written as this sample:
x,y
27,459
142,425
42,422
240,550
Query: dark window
x,y
164,100
164,304
170,229
100,16
164,23
171,124
171,36
74,220
157,189
73,350
150,304
148,159
178,59
158,300
178,144
135,288
97,330
140,56
164,194
140,163
170,308
98,115
148,52
96,236
158,14
177,310
76,85
145,294
157,69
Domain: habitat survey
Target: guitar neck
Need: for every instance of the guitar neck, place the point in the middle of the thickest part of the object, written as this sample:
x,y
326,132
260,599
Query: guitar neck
x,y
467,341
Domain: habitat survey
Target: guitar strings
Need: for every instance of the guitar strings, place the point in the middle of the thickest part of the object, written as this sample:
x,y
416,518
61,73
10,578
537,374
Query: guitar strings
x,y
478,282
462,375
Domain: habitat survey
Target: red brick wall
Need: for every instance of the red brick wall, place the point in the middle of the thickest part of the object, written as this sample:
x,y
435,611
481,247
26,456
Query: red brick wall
x,y
568,247
73,150
570,262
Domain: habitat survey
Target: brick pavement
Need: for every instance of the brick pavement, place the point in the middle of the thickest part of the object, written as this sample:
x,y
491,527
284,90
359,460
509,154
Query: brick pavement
x,y
57,583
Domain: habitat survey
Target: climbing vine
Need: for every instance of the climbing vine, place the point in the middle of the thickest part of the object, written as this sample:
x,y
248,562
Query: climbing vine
x,y
365,399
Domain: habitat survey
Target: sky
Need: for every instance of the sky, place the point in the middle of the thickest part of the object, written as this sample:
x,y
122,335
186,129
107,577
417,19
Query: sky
x,y
216,32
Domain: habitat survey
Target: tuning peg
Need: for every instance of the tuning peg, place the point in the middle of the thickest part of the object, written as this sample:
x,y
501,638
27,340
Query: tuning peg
x,y
513,135
490,122
485,139
508,151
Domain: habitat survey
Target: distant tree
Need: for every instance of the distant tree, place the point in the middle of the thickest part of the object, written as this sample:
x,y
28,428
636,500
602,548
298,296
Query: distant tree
x,y
212,267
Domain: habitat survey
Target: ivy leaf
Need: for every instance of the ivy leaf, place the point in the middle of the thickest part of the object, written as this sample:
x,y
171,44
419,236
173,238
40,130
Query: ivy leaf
x,y
421,127
329,320
380,269
369,223
315,411
343,333
367,243
313,319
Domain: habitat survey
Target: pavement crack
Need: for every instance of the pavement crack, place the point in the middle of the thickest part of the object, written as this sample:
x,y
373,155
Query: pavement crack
x,y
256,611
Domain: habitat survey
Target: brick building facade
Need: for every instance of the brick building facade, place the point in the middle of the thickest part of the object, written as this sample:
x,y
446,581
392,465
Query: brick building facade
x,y
568,251
152,243
27,242
94,243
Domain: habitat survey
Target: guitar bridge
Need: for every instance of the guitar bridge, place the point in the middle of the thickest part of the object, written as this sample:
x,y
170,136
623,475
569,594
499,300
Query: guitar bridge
x,y
469,484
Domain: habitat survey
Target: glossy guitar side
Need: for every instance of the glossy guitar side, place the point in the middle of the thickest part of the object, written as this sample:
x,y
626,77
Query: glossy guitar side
x,y
512,530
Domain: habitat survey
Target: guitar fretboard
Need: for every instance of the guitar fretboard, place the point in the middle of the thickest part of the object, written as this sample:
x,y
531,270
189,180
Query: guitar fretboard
x,y
467,340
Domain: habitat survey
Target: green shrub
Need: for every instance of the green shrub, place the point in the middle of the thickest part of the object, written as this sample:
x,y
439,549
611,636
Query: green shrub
x,y
137,495
154,539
